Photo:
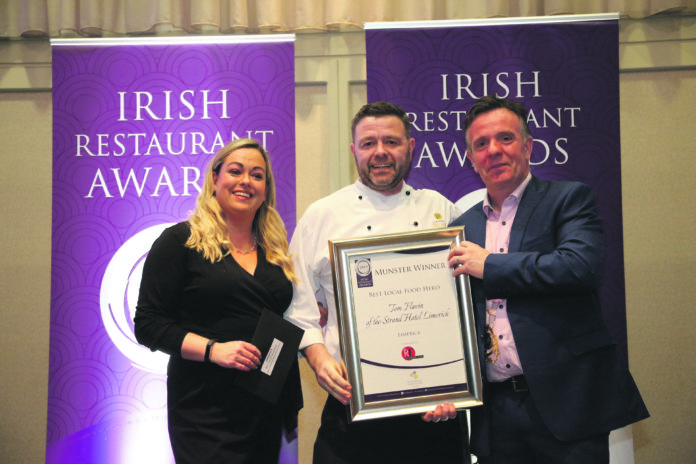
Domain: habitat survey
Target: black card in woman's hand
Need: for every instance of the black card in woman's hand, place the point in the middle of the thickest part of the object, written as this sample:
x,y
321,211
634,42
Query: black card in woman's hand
x,y
278,340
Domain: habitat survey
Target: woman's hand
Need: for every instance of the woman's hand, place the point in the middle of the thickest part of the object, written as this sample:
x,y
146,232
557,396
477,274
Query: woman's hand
x,y
232,355
235,355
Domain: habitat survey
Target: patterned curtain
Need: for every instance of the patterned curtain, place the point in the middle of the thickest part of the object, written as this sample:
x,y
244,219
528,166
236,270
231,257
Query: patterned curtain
x,y
108,18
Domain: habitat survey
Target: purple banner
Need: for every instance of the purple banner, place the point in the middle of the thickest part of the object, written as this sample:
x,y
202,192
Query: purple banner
x,y
135,123
566,72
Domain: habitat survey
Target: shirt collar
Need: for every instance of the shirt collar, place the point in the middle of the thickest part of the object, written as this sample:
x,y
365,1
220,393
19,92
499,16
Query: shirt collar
x,y
514,196
366,192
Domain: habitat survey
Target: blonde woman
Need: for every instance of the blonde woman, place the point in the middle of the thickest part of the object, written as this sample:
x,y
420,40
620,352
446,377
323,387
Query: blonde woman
x,y
204,285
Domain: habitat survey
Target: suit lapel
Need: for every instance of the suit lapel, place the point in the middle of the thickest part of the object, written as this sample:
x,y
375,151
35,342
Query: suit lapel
x,y
475,231
531,197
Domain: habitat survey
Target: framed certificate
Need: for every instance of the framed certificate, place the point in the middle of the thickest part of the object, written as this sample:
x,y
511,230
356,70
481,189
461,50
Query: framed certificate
x,y
406,325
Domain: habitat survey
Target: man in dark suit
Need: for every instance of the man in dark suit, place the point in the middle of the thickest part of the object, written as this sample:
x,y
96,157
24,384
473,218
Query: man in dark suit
x,y
555,384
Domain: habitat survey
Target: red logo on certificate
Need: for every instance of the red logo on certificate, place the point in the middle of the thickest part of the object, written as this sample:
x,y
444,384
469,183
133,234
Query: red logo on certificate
x,y
408,353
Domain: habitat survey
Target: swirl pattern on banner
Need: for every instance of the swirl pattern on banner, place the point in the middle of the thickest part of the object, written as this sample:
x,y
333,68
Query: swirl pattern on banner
x,y
566,74
134,129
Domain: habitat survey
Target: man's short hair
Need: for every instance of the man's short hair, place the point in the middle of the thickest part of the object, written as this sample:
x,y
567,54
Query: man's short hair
x,y
381,108
489,103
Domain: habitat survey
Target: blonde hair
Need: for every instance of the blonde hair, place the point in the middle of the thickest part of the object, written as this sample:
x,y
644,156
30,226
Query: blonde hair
x,y
207,221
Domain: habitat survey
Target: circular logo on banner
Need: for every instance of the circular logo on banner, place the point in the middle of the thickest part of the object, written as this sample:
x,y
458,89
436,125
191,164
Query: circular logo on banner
x,y
118,297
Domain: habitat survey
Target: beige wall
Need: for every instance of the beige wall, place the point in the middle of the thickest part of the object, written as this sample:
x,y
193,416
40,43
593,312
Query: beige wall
x,y
25,267
659,174
659,167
